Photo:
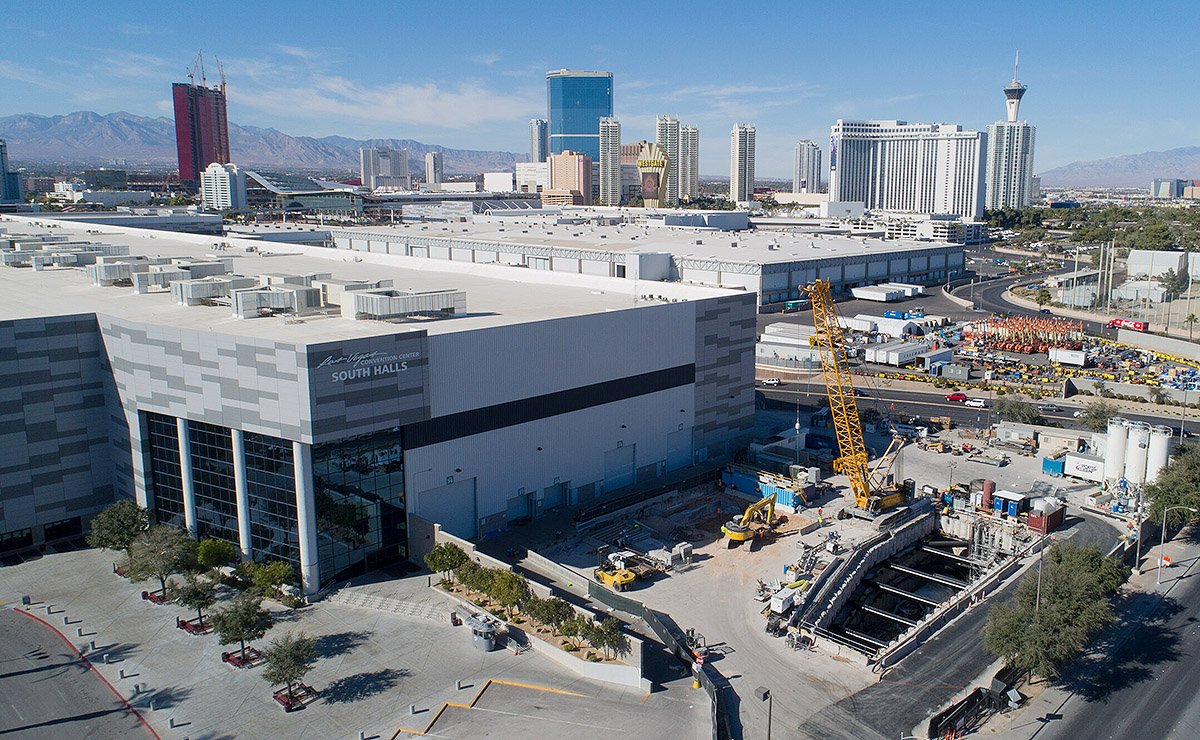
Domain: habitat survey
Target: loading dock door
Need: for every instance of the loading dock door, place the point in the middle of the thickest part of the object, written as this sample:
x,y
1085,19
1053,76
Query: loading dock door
x,y
619,467
452,506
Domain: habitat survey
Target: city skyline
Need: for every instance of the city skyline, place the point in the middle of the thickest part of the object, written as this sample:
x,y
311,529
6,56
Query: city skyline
x,y
310,80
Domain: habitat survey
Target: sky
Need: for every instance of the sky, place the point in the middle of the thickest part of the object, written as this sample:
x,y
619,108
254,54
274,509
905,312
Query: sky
x,y
1105,78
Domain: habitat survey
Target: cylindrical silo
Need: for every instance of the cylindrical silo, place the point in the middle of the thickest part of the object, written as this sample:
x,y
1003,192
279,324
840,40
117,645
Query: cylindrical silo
x,y
1160,451
1136,452
1114,459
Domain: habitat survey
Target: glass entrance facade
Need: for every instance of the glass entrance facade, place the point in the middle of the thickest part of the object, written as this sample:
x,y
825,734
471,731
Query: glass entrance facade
x,y
165,478
358,485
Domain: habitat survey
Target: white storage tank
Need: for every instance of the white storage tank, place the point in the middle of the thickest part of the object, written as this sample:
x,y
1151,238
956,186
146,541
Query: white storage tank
x,y
1136,452
1114,459
1159,453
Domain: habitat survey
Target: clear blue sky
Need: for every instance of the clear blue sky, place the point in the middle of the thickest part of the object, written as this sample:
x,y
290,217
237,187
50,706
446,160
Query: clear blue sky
x,y
1105,78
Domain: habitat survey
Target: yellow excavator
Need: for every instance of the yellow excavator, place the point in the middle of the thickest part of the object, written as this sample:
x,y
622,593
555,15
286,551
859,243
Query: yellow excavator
x,y
757,518
873,492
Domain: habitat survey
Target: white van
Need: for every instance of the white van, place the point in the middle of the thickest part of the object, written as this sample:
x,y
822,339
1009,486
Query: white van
x,y
769,381
976,403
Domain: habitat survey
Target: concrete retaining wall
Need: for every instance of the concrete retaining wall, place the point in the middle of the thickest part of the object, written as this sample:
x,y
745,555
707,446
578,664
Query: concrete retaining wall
x,y
1129,389
1166,345
574,581
892,542
440,536
972,596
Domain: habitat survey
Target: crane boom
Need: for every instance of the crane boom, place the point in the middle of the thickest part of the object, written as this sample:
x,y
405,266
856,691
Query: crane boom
x,y
866,484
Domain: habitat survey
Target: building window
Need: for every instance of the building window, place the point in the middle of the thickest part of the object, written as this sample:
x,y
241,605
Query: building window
x,y
358,487
271,489
166,481
212,481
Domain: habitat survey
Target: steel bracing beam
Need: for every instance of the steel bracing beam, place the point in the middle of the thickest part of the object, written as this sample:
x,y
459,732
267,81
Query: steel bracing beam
x,y
944,580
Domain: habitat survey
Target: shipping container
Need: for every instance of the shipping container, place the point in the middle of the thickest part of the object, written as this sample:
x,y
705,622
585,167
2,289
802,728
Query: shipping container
x,y
1084,467
1054,467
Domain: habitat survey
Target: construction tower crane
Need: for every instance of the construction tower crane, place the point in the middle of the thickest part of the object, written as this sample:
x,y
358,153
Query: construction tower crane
x,y
872,491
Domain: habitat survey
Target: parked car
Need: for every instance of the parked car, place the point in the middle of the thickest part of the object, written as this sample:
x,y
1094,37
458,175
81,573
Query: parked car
x,y
976,403
770,381
960,397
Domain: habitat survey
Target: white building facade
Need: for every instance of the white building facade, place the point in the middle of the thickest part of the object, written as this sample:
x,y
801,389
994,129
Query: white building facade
x,y
610,162
806,169
741,163
538,140
907,167
666,135
689,162
434,173
533,177
383,168
223,187
1010,155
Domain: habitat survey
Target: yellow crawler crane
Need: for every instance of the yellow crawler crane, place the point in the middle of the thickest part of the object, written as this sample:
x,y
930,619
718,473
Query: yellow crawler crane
x,y
872,493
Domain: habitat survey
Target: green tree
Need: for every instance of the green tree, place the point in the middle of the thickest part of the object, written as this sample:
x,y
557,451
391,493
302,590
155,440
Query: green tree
x,y
266,578
444,558
214,553
195,593
289,659
508,589
1173,282
116,527
159,553
242,621
1054,616
607,636
1043,296
1096,415
558,611
575,629
1178,484
1012,409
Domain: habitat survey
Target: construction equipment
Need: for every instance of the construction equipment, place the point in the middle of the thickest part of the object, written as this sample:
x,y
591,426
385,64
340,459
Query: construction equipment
x,y
932,445
873,492
756,520
611,570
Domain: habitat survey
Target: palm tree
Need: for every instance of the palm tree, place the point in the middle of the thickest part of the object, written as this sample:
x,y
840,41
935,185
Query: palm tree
x,y
1191,323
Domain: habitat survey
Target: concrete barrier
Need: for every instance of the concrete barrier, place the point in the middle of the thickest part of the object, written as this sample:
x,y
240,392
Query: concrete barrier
x,y
1166,345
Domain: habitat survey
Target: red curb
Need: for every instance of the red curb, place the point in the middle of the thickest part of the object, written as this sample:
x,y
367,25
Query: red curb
x,y
92,668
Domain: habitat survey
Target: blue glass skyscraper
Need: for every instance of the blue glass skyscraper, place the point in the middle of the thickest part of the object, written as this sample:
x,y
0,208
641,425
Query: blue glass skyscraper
x,y
576,101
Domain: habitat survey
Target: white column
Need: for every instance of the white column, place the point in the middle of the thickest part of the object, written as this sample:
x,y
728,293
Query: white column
x,y
239,486
185,475
306,516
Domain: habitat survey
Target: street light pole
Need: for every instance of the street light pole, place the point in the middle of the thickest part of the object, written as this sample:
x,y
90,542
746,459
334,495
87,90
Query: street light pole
x,y
1162,544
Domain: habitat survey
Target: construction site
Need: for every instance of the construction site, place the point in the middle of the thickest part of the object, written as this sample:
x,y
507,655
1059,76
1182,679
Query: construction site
x,y
817,573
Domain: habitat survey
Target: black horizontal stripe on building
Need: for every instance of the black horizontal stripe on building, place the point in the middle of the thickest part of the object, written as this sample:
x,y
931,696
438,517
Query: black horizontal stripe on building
x,y
511,413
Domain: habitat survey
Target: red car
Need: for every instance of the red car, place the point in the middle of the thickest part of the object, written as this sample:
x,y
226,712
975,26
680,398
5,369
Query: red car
x,y
960,397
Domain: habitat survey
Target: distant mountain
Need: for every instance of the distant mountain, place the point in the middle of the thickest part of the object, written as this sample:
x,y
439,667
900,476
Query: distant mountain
x,y
1130,170
87,138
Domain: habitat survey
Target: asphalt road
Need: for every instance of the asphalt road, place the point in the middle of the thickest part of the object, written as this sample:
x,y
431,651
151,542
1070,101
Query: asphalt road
x,y
47,691
939,669
1140,680
916,403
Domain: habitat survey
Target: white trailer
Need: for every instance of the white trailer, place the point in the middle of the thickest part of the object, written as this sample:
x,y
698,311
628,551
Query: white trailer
x,y
1075,357
877,293
1084,467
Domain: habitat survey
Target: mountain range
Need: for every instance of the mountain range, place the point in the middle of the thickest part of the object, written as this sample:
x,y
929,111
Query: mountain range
x,y
1129,170
89,138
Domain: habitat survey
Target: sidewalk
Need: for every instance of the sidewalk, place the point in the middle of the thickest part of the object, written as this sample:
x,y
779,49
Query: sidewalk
x,y
372,664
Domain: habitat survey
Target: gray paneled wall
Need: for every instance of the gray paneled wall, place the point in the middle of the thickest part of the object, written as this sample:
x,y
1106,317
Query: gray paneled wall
x,y
55,460
725,333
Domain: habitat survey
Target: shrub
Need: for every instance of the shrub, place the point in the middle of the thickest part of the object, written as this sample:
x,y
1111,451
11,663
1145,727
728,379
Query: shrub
x,y
214,553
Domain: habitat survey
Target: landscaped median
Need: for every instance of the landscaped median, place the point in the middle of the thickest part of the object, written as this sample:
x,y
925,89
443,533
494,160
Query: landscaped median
x,y
582,642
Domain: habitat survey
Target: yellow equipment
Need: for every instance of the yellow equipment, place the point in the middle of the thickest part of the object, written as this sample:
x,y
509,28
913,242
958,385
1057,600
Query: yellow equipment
x,y
616,579
871,494
757,516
